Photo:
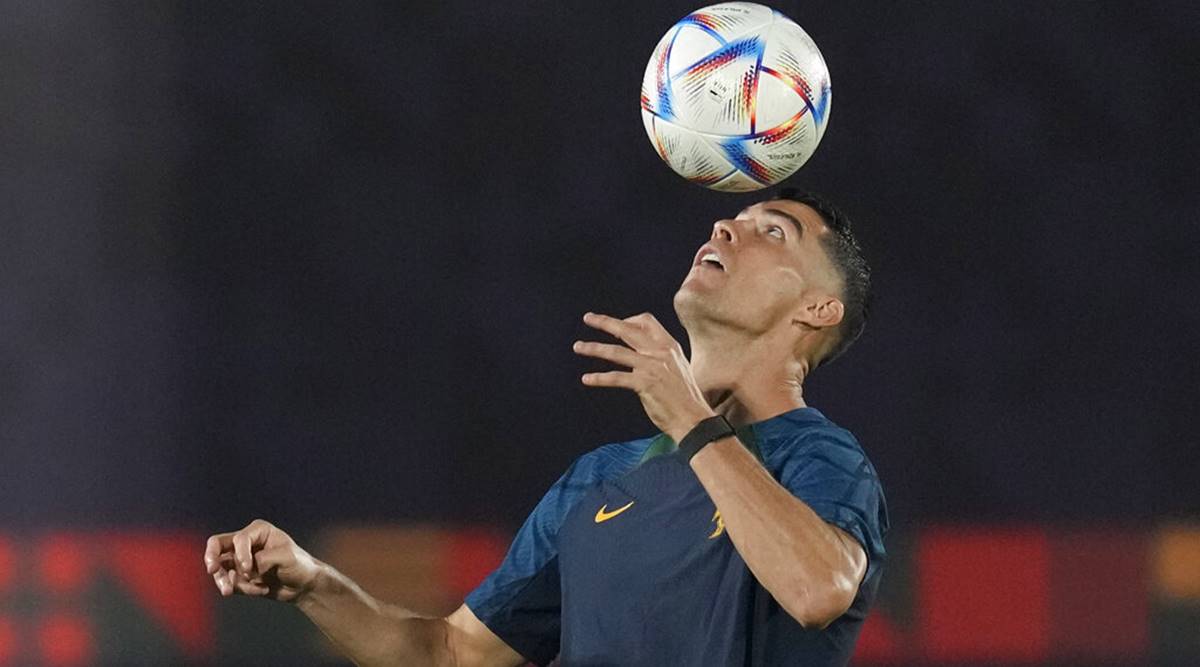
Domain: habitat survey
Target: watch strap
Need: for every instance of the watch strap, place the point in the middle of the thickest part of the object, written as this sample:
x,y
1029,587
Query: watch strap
x,y
708,430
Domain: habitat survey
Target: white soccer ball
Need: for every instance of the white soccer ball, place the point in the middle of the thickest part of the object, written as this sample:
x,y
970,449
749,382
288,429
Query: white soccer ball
x,y
736,97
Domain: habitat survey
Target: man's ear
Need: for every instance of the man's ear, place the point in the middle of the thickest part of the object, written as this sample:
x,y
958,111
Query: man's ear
x,y
825,312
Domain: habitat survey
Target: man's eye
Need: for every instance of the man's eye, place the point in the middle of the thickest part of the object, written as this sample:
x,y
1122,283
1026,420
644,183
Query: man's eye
x,y
776,231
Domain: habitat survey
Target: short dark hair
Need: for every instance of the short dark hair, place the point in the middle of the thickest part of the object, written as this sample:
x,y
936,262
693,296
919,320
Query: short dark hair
x,y
846,255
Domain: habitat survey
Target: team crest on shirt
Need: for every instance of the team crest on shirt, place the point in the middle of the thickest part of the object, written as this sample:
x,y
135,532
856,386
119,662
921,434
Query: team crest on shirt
x,y
718,525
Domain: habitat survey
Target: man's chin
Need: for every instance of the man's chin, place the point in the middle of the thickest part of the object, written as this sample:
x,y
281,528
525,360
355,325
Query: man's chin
x,y
698,309
693,296
697,280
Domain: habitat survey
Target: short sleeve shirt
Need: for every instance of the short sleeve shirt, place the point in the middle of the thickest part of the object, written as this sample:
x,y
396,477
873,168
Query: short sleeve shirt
x,y
625,560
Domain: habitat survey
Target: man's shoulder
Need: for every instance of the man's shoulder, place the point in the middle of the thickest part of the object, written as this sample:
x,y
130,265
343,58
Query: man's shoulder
x,y
610,460
825,466
801,435
802,428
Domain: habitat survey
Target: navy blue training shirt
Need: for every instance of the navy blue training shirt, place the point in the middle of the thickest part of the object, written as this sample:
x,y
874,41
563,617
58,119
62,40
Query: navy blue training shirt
x,y
625,561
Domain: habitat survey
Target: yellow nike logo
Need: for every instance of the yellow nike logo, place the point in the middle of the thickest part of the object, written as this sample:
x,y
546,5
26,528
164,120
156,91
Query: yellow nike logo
x,y
602,515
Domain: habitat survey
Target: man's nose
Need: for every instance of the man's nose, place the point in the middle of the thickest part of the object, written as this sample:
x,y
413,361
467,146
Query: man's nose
x,y
725,230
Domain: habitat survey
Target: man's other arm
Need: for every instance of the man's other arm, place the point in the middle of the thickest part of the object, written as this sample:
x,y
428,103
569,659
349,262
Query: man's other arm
x,y
263,561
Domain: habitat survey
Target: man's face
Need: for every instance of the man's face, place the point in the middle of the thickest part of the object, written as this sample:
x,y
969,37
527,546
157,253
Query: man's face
x,y
758,269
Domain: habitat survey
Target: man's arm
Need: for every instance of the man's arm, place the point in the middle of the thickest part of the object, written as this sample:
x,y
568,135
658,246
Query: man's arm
x,y
812,568
373,633
263,561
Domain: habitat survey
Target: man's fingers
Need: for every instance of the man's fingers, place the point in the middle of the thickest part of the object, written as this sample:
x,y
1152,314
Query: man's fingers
x,y
242,552
648,321
269,558
622,379
230,581
222,583
213,549
245,541
225,580
252,588
618,354
641,332
616,328
241,543
230,559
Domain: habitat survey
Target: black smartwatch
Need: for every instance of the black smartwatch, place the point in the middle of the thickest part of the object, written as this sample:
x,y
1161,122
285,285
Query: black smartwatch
x,y
708,430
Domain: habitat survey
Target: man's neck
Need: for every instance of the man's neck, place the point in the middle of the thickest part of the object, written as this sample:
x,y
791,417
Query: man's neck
x,y
747,379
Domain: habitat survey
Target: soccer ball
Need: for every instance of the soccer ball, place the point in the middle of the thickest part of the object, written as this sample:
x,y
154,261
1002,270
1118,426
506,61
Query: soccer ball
x,y
736,97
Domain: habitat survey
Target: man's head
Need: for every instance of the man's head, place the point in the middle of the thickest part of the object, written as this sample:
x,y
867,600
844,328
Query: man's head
x,y
787,268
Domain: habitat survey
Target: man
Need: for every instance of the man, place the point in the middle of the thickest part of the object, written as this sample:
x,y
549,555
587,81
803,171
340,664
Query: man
x,y
758,545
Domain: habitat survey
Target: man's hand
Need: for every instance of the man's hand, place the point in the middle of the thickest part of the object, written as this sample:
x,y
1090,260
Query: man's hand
x,y
260,560
659,372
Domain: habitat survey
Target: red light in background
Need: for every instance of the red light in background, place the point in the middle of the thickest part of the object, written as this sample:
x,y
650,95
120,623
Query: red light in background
x,y
8,642
63,563
470,556
880,640
160,570
983,595
65,640
1100,602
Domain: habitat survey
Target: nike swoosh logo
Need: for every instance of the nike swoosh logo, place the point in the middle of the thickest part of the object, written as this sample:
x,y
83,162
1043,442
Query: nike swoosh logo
x,y
602,515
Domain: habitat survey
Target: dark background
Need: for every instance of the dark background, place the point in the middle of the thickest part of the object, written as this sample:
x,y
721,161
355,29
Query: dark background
x,y
325,262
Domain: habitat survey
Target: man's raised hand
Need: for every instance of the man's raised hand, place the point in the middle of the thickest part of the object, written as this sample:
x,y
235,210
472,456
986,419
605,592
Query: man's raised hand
x,y
659,372
260,560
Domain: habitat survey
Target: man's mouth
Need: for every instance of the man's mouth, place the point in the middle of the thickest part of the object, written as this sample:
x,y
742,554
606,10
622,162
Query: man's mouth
x,y
709,258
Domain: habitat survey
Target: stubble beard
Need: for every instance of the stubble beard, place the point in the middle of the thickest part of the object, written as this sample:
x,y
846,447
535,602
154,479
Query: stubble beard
x,y
700,313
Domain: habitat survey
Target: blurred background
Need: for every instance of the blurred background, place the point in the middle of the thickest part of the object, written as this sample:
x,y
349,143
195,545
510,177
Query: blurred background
x,y
322,264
